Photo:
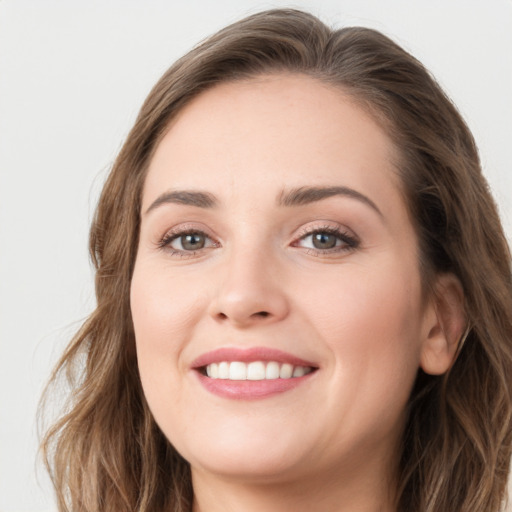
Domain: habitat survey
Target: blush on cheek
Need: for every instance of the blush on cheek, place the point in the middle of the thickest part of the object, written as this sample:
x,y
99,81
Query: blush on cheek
x,y
161,314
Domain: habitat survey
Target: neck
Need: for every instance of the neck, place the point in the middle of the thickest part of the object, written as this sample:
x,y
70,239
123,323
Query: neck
x,y
352,493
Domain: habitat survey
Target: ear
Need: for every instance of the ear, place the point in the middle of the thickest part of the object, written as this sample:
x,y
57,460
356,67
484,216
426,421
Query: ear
x,y
446,323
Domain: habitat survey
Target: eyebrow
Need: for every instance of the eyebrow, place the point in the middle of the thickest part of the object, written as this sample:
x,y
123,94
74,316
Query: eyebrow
x,y
306,195
294,197
186,197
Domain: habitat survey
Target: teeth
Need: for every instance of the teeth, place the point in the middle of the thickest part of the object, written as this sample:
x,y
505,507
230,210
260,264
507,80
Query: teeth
x,y
256,370
237,371
298,371
223,370
212,370
272,370
286,371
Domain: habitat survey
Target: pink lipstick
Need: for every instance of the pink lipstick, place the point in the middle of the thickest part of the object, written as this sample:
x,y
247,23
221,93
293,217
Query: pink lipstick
x,y
251,373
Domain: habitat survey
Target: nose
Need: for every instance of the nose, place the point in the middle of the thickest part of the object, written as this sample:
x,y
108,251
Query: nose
x,y
249,292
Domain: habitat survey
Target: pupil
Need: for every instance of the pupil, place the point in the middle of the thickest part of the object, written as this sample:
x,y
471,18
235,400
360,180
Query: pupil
x,y
192,242
324,241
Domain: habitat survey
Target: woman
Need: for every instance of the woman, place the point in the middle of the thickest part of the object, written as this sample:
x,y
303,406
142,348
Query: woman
x,y
304,291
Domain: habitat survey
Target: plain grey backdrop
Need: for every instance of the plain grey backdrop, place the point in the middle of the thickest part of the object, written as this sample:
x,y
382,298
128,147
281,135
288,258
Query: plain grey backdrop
x,y
73,74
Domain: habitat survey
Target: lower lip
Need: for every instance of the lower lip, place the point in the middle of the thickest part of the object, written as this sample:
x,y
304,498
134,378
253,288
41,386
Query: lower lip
x,y
250,389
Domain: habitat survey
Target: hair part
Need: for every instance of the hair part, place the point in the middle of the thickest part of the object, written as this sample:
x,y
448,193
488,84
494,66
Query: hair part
x,y
107,453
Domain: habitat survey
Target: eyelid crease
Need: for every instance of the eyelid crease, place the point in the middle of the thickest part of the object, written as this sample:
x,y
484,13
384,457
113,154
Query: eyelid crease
x,y
334,228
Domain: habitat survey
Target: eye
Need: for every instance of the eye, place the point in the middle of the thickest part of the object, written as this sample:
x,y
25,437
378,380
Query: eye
x,y
324,240
327,240
189,242
186,242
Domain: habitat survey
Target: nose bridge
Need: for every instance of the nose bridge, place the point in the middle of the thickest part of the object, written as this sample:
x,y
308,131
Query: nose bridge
x,y
249,289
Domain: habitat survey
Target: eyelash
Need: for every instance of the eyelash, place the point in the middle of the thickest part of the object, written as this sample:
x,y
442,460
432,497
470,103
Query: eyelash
x,y
349,242
170,236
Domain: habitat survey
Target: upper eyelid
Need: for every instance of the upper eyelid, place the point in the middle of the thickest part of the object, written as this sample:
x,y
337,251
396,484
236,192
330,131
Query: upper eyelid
x,y
344,237
164,240
350,240
330,226
188,227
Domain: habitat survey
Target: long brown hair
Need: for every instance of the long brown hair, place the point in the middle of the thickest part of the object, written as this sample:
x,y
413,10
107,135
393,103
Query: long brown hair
x,y
106,452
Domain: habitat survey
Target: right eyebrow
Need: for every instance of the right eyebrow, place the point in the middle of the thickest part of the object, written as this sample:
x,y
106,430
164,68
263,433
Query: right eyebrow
x,y
186,197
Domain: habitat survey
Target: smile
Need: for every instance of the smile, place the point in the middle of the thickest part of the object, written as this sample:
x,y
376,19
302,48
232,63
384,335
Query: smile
x,y
256,370
251,373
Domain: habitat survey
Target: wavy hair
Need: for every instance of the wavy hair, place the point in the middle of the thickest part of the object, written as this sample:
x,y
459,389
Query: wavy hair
x,y
107,453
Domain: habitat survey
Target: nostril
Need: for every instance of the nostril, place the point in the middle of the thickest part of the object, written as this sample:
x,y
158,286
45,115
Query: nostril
x,y
262,314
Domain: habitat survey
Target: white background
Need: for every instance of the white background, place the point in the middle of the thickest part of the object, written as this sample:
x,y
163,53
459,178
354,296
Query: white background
x,y
72,77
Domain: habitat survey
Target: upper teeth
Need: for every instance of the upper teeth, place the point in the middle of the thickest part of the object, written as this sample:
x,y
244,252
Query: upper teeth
x,y
257,370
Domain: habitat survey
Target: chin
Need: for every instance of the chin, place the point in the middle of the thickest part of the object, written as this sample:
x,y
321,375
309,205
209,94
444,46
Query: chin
x,y
250,466
246,453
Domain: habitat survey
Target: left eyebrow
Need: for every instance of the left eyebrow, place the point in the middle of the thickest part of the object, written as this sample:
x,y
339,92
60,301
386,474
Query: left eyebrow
x,y
306,195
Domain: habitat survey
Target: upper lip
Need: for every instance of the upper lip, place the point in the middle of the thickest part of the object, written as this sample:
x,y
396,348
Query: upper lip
x,y
248,355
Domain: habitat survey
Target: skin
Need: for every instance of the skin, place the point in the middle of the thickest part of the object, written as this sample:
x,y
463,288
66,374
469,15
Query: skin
x,y
356,311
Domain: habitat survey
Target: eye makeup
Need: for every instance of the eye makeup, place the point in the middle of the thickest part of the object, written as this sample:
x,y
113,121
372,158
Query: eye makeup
x,y
317,240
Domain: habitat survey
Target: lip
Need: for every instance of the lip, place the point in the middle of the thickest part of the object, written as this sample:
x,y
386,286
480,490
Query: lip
x,y
246,389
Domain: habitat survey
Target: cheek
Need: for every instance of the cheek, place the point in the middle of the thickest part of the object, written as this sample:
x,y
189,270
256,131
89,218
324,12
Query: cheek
x,y
370,319
163,308
165,313
370,322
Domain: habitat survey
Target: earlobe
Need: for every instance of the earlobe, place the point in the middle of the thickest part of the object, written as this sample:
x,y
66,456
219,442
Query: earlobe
x,y
446,325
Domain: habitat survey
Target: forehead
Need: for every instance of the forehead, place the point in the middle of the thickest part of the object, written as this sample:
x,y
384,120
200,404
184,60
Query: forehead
x,y
283,130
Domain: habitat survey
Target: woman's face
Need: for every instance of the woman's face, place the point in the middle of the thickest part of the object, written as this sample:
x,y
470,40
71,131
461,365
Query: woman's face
x,y
276,295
